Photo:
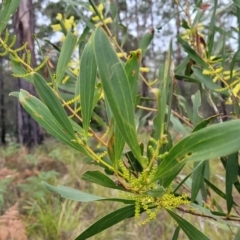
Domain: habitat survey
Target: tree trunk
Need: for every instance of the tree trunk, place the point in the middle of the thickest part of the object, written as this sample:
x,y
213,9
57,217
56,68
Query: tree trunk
x,y
28,131
2,106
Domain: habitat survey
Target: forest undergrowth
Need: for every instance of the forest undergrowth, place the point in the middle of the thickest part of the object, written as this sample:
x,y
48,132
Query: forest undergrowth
x,y
29,211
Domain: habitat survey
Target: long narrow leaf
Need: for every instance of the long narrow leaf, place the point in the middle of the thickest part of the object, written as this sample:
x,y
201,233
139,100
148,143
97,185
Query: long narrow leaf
x,y
41,114
176,233
88,72
192,54
6,12
231,177
117,90
164,76
197,180
100,179
115,145
107,221
80,196
196,99
72,194
211,32
192,232
65,56
132,69
208,143
207,81
237,237
146,40
52,102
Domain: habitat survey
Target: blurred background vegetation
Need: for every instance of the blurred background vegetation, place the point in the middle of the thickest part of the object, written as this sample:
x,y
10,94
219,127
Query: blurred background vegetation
x,y
27,157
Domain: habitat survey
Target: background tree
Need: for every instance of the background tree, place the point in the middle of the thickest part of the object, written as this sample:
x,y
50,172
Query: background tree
x,y
29,132
2,105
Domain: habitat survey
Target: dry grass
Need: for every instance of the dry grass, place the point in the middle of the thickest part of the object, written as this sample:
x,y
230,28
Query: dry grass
x,y
11,226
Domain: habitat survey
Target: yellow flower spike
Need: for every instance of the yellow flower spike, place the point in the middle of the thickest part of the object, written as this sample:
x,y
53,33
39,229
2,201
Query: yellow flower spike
x,y
105,21
144,69
56,27
186,32
59,17
76,111
207,72
69,23
65,79
100,10
101,95
122,54
91,9
229,101
199,27
96,18
229,72
211,59
236,89
155,91
185,37
218,70
215,79
71,101
75,71
226,78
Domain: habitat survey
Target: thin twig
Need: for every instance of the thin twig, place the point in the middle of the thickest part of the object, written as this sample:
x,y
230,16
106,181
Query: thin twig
x,y
80,119
174,112
235,219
